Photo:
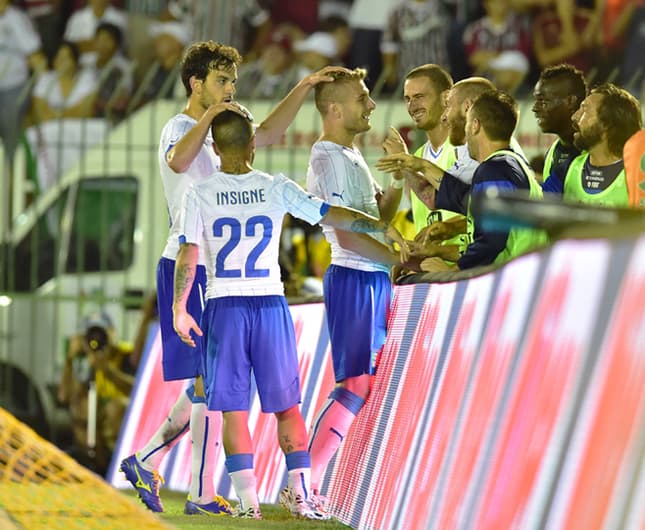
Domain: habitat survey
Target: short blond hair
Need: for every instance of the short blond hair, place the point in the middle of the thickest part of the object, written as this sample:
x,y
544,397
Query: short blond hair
x,y
326,93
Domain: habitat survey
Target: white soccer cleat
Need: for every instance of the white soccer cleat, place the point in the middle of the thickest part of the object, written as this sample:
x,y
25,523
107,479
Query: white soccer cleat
x,y
301,507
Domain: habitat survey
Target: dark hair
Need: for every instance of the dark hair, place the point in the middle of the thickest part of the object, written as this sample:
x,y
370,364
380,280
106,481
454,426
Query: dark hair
x,y
113,30
325,93
497,112
73,47
619,113
202,58
440,79
574,79
231,131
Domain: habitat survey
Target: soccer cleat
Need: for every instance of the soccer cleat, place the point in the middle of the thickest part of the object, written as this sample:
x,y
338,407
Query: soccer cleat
x,y
252,512
319,503
145,482
219,506
300,507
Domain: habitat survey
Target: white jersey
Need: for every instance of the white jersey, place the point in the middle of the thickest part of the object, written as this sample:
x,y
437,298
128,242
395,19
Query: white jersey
x,y
464,166
175,184
339,175
239,219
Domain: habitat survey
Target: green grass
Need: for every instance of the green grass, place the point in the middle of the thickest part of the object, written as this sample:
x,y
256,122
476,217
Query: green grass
x,y
273,515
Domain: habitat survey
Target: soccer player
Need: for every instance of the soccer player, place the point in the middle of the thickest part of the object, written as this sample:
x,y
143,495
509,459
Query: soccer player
x,y
490,122
558,94
606,119
424,90
356,286
234,219
208,73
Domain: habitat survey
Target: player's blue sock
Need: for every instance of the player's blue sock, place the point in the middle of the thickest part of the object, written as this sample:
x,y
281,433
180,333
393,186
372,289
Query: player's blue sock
x,y
331,426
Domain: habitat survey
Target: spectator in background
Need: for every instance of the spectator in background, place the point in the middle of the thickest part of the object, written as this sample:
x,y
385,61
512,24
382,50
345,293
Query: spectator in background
x,y
273,74
95,355
560,35
49,18
632,70
315,52
141,15
19,52
367,20
162,78
558,95
416,33
114,73
81,26
338,28
66,91
244,24
498,45
606,119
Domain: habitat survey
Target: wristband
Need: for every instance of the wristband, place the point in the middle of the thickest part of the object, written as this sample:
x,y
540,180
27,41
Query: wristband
x,y
397,184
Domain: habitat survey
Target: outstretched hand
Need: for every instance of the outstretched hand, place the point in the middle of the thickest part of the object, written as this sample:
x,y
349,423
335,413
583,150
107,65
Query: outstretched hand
x,y
218,108
392,235
399,162
324,75
394,142
184,323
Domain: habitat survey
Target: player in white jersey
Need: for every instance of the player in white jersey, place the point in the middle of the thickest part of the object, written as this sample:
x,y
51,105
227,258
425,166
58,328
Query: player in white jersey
x,y
357,288
209,74
234,219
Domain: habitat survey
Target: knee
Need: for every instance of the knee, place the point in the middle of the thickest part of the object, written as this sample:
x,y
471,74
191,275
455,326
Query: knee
x,y
357,385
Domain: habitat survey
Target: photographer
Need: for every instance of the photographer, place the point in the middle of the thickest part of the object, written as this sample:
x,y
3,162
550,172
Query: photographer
x,y
95,358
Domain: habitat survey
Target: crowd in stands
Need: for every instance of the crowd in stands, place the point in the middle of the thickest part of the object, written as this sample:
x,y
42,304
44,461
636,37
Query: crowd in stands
x,y
125,52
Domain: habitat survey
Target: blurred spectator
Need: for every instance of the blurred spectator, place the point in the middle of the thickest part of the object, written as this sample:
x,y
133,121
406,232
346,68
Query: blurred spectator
x,y
338,28
273,74
315,52
243,24
300,15
498,45
162,78
632,72
616,16
66,91
559,35
416,33
334,8
49,19
367,20
95,356
114,73
81,26
19,50
141,15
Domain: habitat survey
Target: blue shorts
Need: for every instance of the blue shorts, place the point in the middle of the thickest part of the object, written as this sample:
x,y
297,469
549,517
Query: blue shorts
x,y
244,333
357,304
179,360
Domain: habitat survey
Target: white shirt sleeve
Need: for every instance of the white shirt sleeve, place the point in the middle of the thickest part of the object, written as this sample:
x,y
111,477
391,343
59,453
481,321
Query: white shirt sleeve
x,y
297,201
191,226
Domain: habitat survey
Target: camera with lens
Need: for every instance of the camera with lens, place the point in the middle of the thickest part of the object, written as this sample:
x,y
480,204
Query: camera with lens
x,y
96,338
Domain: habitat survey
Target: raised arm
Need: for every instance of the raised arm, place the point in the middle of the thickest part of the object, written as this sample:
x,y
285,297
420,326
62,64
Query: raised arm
x,y
273,127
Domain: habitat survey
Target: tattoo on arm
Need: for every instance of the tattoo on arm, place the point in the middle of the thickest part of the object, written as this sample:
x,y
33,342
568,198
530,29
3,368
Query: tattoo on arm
x,y
184,276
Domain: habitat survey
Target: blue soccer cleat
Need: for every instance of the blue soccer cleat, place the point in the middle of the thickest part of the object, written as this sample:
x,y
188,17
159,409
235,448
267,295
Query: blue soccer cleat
x,y
219,506
146,482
